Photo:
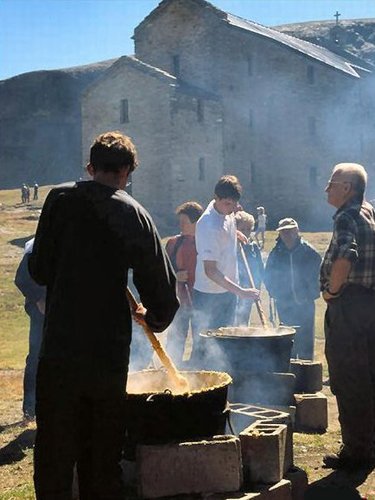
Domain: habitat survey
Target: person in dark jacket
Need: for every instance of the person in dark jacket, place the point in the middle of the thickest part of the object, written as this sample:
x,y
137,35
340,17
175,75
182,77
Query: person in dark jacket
x,y
245,223
89,235
292,279
34,306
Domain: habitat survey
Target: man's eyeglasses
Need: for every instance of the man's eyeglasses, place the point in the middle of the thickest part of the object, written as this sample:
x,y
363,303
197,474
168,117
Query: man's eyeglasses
x,y
330,183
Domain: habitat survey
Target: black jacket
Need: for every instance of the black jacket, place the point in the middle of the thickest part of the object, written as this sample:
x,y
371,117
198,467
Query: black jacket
x,y
293,275
89,235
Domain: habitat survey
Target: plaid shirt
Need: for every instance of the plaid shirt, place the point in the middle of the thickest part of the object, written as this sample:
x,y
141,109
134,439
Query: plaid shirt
x,y
353,239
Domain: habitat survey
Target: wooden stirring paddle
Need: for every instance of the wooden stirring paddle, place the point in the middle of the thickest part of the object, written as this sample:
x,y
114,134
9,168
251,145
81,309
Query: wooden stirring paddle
x,y
179,382
258,303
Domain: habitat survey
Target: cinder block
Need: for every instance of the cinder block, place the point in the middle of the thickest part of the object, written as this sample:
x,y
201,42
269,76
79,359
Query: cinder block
x,y
279,491
298,478
263,452
309,375
243,415
288,457
212,465
311,412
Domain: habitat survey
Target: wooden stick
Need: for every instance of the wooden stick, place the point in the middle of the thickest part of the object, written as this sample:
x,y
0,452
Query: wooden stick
x,y
258,303
178,380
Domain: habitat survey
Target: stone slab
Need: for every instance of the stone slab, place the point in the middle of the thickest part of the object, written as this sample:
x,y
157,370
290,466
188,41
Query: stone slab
x,y
212,465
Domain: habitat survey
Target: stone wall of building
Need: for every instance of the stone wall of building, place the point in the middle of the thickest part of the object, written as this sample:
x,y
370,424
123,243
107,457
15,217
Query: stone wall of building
x,y
287,118
178,140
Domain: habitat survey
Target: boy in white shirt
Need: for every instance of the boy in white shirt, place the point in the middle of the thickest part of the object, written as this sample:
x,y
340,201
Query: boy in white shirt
x,y
215,287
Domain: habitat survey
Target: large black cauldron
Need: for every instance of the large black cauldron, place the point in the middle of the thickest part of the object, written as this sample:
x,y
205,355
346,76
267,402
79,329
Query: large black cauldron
x,y
154,415
249,349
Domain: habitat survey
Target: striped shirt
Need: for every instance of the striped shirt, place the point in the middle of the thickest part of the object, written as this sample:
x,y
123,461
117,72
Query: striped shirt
x,y
353,239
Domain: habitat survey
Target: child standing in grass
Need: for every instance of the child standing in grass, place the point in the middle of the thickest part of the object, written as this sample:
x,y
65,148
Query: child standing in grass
x,y
261,226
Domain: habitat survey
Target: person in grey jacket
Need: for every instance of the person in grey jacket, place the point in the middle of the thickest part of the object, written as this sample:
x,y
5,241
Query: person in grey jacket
x,y
292,279
35,296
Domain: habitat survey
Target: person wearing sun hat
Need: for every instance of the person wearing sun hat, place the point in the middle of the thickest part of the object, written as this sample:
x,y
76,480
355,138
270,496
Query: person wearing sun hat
x,y
292,279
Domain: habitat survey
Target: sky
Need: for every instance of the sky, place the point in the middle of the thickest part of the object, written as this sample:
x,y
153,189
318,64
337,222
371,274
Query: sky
x,y
52,34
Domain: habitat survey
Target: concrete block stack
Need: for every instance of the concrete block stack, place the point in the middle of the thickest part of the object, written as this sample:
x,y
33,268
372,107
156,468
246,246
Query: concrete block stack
x,y
311,404
250,467
263,452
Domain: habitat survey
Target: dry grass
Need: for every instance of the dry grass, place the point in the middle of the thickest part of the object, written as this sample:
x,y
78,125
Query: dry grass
x,y
17,224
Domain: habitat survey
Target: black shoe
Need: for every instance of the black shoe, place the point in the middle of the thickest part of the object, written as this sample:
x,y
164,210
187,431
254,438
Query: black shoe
x,y
338,461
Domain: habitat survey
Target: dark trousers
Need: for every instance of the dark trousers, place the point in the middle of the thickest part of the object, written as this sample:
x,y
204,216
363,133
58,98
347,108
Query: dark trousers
x,y
80,419
211,311
29,378
303,316
350,351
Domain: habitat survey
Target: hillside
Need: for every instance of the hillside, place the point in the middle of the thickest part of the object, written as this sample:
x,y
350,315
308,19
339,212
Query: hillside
x,y
40,125
356,36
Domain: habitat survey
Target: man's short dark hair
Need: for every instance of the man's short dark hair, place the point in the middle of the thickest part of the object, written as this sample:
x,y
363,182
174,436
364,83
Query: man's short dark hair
x,y
112,151
228,186
190,208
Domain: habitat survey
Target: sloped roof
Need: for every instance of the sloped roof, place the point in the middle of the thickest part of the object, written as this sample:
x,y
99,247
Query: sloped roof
x,y
308,49
154,72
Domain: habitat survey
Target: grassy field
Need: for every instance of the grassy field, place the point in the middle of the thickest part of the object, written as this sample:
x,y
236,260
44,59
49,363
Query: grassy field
x,y
17,224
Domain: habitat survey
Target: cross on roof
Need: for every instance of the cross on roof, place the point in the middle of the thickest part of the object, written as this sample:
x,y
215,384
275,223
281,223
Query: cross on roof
x,y
337,15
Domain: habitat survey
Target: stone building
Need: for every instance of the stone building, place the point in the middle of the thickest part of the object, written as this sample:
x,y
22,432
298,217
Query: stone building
x,y
209,93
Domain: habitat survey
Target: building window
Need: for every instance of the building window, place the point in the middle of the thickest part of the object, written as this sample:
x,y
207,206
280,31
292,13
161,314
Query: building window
x,y
311,74
200,110
202,173
176,66
124,111
313,177
251,119
252,172
250,65
312,126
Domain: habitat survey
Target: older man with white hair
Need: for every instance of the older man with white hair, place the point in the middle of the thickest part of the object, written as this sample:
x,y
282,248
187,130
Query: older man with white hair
x,y
348,286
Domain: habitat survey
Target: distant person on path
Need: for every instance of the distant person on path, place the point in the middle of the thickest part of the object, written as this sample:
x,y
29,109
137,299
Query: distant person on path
x,y
292,279
261,227
89,235
182,252
245,223
348,284
35,296
215,289
36,190
23,193
27,194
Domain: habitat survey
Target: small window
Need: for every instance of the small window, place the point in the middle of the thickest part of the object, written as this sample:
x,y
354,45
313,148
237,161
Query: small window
x,y
252,173
124,111
200,110
312,126
202,173
313,177
251,119
311,74
250,65
176,66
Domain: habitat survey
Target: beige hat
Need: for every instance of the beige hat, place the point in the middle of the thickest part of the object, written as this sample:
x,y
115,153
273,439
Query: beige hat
x,y
287,223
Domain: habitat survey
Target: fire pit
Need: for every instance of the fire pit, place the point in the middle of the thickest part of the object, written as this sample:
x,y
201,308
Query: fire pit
x,y
155,415
250,349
